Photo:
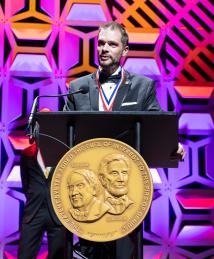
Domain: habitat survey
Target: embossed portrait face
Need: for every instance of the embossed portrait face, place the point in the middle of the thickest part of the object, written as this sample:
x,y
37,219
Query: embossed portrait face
x,y
81,192
116,178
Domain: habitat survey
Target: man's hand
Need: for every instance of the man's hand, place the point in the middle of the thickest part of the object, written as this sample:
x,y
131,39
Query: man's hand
x,y
181,152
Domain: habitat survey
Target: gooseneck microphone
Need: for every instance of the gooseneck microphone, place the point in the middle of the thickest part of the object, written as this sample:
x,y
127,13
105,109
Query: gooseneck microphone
x,y
83,90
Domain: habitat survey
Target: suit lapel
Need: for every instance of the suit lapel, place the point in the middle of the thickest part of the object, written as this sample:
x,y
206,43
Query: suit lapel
x,y
122,92
51,173
94,93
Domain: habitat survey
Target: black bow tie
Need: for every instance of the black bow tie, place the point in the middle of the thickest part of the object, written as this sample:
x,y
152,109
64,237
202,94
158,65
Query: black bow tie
x,y
103,78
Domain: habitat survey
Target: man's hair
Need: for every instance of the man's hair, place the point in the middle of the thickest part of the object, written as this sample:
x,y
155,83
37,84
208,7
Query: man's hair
x,y
89,176
117,26
109,159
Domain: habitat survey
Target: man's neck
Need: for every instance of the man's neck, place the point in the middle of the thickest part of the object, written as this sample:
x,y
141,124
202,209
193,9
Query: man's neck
x,y
109,70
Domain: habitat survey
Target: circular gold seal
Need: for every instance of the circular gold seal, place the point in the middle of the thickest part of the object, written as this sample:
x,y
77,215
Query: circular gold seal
x,y
101,189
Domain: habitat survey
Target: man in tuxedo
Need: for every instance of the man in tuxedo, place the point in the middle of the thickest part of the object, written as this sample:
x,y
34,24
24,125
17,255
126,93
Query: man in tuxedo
x,y
112,88
39,216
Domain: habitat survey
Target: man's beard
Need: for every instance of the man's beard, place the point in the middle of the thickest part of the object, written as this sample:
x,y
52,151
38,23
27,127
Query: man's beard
x,y
118,192
110,65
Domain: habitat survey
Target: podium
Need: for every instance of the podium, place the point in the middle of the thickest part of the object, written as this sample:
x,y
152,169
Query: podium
x,y
153,134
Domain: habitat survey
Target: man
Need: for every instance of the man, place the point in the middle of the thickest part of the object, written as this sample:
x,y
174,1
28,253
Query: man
x,y
114,175
111,88
39,215
84,189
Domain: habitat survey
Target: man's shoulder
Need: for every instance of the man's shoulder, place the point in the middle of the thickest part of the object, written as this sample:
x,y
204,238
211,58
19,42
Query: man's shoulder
x,y
138,77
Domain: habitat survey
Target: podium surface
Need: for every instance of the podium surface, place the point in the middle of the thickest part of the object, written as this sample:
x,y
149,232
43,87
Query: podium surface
x,y
157,133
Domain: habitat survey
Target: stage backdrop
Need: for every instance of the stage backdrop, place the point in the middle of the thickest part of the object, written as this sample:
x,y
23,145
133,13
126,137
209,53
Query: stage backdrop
x,y
45,44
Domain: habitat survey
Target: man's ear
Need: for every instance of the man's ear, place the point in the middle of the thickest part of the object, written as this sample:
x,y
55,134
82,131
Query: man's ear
x,y
125,51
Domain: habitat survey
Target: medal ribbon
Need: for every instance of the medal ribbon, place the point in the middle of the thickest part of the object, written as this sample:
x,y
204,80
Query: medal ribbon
x,y
108,103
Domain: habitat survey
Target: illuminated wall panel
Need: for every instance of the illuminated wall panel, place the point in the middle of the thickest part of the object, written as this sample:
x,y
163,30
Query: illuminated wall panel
x,y
45,44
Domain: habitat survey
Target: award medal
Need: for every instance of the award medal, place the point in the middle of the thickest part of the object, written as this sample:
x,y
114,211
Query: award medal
x,y
101,189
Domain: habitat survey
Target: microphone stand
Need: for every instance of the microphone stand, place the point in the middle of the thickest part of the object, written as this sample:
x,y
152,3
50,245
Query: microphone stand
x,y
32,129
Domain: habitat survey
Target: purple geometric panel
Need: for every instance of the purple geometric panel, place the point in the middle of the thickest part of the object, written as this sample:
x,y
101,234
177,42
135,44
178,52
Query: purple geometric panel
x,y
51,102
161,230
155,176
71,43
143,66
1,12
86,12
48,7
9,213
6,153
196,124
49,43
196,235
1,45
209,152
14,178
156,252
15,109
28,65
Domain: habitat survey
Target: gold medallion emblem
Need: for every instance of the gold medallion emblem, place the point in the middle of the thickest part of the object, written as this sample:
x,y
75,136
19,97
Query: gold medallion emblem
x,y
101,189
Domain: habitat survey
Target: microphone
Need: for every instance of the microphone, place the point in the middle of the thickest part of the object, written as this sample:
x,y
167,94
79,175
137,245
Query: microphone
x,y
83,90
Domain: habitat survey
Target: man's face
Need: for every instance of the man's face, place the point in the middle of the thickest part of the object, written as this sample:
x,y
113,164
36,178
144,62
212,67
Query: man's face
x,y
80,191
116,178
110,48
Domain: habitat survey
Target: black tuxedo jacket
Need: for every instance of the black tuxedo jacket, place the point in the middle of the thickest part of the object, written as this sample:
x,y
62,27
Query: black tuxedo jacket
x,y
35,186
136,93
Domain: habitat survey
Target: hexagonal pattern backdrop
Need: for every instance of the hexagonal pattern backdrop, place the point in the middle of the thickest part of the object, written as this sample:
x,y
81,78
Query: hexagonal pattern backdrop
x,y
45,44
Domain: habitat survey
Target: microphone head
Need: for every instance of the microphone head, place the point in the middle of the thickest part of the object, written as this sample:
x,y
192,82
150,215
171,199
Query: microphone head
x,y
84,89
